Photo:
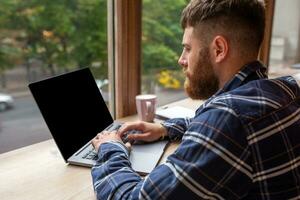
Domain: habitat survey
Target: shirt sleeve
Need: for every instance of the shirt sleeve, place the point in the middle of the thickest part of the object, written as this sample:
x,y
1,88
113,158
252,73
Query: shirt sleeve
x,y
212,162
176,127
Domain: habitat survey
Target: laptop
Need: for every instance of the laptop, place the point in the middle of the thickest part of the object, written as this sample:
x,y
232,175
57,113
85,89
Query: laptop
x,y
75,112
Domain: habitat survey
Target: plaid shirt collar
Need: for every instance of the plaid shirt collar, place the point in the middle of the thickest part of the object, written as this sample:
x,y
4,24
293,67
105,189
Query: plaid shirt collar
x,y
252,71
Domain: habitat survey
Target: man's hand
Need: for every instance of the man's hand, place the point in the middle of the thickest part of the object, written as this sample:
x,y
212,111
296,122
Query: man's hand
x,y
150,131
106,136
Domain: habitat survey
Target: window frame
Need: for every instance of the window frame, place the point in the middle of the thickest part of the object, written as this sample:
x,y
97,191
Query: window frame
x,y
264,53
127,55
126,58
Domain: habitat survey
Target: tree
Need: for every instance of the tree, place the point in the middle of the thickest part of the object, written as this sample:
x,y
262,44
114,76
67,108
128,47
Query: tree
x,y
8,52
66,34
61,33
161,33
90,39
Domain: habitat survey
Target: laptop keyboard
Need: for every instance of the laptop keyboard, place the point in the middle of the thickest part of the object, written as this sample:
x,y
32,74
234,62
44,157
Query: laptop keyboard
x,y
92,154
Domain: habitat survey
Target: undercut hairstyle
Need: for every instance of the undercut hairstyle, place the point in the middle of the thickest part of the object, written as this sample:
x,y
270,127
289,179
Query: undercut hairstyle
x,y
242,22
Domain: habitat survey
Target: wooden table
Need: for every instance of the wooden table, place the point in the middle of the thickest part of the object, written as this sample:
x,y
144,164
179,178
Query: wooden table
x,y
38,171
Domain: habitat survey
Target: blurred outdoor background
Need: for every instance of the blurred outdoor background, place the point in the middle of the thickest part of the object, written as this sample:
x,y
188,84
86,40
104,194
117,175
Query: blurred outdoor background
x,y
42,38
39,39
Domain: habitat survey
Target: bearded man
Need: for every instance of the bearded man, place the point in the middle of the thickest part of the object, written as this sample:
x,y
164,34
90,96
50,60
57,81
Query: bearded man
x,y
243,142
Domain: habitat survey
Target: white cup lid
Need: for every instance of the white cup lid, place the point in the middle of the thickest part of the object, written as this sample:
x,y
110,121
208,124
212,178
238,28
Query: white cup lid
x,y
146,96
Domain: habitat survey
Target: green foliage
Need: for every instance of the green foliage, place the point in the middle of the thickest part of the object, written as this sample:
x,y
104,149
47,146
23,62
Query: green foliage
x,y
66,34
161,33
60,33
158,56
8,55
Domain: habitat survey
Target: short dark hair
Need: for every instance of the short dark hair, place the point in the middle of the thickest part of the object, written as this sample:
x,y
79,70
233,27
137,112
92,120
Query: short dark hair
x,y
242,21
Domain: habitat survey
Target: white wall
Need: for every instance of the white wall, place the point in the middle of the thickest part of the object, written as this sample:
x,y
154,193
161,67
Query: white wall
x,y
287,24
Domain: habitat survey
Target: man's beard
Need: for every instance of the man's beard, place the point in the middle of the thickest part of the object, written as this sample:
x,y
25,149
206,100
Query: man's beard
x,y
202,83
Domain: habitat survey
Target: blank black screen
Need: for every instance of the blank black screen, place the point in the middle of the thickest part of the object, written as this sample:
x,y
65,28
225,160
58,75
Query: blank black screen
x,y
73,109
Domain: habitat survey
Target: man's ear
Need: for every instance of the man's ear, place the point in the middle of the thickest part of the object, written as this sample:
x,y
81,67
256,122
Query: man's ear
x,y
220,48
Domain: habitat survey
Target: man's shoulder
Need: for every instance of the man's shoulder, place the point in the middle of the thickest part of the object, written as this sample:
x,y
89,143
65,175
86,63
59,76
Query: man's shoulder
x,y
258,98
280,90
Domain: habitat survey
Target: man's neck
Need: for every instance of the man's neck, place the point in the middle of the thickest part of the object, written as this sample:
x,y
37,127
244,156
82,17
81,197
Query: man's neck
x,y
229,69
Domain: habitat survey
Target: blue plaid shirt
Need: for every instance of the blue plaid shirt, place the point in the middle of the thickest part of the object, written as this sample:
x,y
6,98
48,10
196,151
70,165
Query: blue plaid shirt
x,y
243,143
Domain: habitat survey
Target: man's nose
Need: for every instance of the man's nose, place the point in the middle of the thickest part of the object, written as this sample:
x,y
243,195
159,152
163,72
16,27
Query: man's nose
x,y
182,61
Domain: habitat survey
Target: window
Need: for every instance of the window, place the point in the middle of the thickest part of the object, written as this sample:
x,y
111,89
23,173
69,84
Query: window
x,y
39,39
161,48
284,56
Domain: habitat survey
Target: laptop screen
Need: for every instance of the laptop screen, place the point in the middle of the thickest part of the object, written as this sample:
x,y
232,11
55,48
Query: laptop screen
x,y
73,109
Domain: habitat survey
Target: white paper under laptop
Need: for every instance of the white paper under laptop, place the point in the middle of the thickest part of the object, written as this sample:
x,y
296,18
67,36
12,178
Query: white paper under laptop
x,y
74,111
174,112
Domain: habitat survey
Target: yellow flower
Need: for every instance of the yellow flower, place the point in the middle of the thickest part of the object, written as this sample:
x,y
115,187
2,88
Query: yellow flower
x,y
168,80
47,34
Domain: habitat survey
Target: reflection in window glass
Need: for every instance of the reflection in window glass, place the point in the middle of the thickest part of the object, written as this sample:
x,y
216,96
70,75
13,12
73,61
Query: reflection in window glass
x,y
161,48
39,39
285,41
